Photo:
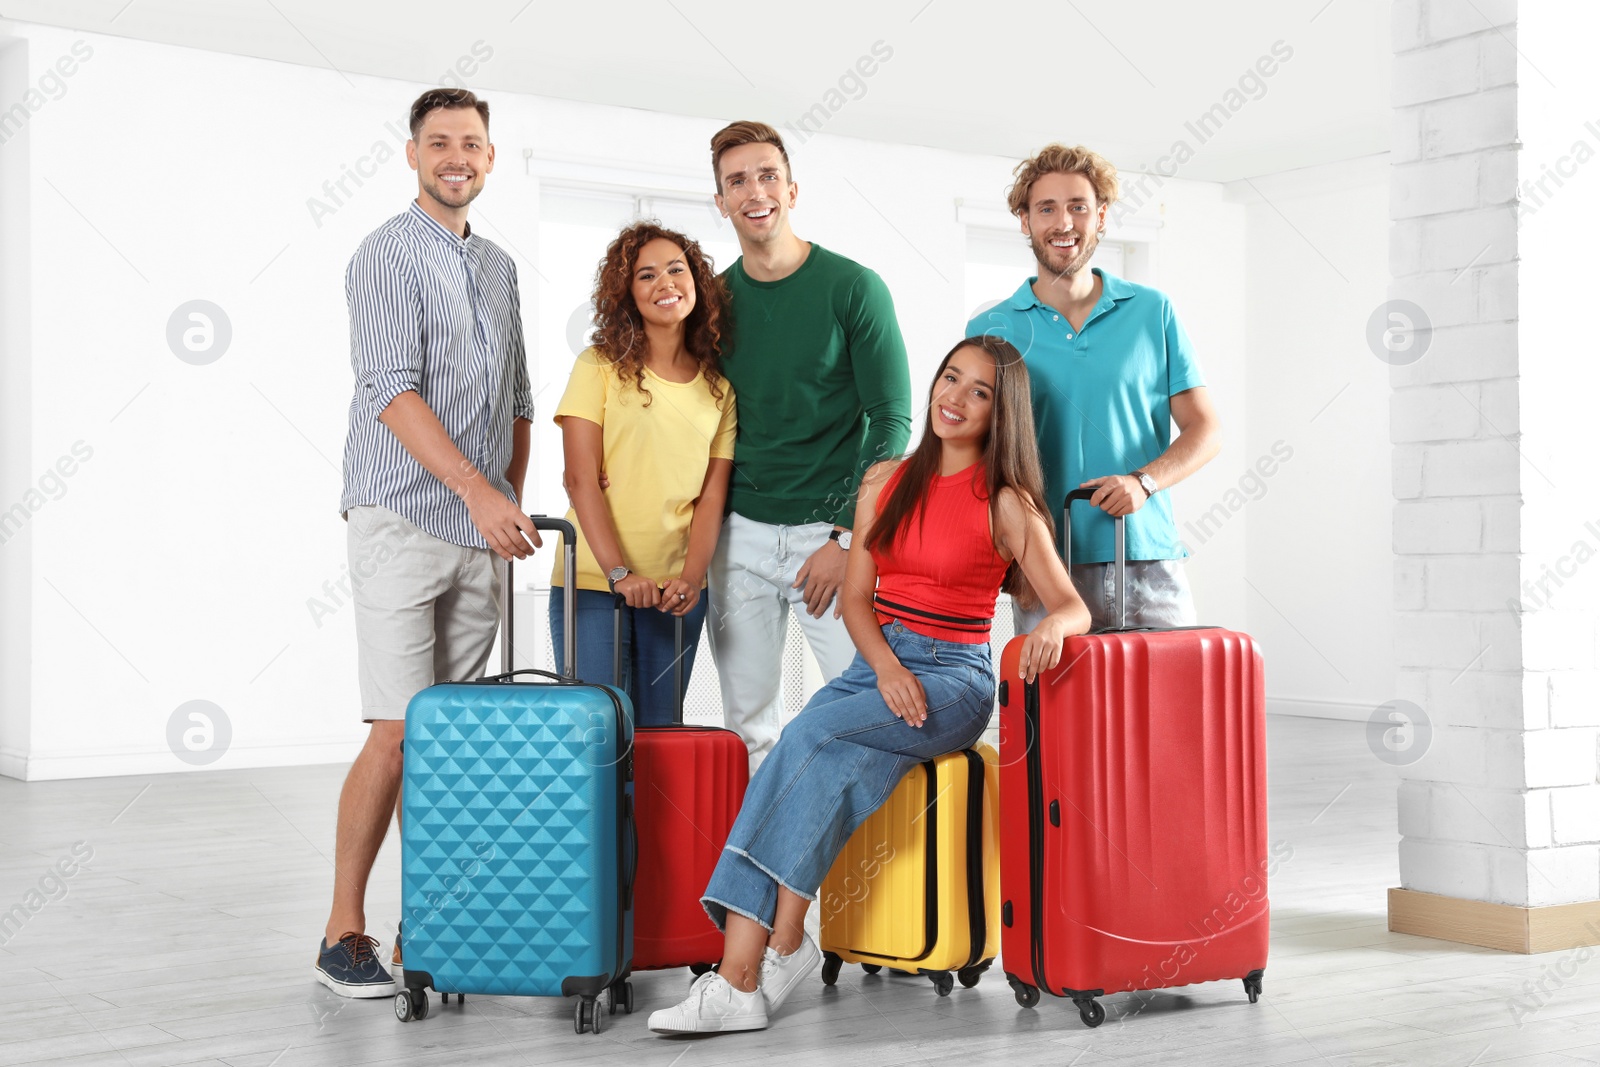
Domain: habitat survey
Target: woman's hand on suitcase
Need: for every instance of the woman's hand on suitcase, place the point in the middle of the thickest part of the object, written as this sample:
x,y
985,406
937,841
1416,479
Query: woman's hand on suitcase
x,y
1041,649
903,693
678,597
639,591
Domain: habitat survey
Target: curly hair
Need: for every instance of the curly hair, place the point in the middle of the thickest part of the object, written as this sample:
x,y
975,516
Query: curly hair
x,y
618,328
1059,159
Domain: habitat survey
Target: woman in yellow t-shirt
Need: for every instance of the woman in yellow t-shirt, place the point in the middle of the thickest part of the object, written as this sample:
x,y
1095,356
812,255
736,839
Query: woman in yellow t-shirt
x,y
646,405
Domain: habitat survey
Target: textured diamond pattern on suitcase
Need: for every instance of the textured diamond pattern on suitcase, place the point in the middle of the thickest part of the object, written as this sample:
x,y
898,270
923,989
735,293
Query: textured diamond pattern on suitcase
x,y
510,874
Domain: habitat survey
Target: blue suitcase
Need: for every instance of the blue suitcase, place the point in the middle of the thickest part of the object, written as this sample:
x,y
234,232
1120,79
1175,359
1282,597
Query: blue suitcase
x,y
517,838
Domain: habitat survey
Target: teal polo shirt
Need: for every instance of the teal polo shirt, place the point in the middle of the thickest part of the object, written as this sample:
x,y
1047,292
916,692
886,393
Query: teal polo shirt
x,y
1102,402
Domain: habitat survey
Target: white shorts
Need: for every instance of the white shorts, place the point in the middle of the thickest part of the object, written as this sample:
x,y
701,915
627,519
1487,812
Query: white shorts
x,y
426,610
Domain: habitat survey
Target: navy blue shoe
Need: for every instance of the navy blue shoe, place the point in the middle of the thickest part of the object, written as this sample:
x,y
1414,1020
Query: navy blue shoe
x,y
351,969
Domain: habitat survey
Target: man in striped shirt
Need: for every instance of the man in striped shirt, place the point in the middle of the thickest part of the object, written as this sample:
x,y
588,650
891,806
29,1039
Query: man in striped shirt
x,y
433,469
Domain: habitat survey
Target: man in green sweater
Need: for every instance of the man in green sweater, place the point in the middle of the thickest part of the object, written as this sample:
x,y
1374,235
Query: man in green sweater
x,y
819,371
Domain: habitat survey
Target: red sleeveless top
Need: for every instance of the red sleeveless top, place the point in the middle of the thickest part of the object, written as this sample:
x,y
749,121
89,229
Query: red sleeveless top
x,y
942,574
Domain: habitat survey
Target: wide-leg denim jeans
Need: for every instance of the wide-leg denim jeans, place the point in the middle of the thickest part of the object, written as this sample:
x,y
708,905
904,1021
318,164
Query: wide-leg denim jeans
x,y
836,764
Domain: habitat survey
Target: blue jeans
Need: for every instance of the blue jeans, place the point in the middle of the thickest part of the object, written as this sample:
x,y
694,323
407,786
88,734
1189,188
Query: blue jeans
x,y
647,649
836,764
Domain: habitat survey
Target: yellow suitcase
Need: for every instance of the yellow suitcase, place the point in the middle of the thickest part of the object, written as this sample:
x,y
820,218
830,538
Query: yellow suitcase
x,y
917,887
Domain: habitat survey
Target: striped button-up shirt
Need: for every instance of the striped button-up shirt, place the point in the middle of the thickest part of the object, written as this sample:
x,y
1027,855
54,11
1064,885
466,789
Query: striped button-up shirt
x,y
438,315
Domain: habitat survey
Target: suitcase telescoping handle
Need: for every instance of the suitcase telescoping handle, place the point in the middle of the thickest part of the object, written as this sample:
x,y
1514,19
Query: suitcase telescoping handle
x,y
677,656
569,630
1120,570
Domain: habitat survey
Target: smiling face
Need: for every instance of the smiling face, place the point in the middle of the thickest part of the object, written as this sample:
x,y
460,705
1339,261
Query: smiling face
x,y
1062,222
662,286
963,396
451,155
755,192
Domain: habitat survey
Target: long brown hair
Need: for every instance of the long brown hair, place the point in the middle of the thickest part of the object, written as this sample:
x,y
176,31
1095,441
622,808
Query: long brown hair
x,y
619,329
1010,455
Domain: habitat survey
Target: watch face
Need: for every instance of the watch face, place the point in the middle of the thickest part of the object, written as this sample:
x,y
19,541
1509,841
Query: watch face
x,y
844,540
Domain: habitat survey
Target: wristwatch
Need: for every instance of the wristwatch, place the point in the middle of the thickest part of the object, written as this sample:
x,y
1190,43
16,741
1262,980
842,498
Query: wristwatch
x,y
842,537
615,575
1147,483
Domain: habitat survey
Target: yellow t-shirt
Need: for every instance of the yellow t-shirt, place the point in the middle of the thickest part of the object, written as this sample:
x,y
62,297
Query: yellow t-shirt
x,y
655,458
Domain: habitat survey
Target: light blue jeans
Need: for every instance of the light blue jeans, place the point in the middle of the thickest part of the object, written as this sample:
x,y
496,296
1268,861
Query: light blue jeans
x,y
751,592
836,764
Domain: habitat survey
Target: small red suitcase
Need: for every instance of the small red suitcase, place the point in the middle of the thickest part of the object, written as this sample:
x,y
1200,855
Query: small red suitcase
x,y
1133,814
688,785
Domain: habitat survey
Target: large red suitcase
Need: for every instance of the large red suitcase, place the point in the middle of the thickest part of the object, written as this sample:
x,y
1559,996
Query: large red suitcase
x,y
688,785
1133,814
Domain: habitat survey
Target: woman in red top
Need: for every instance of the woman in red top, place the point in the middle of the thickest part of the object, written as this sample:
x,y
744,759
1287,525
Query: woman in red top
x,y
937,536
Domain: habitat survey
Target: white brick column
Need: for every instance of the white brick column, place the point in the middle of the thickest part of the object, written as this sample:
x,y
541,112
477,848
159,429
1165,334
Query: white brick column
x,y
1494,479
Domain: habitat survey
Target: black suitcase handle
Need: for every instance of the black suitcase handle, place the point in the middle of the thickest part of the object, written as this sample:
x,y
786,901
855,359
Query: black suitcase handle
x,y
569,544
1120,571
509,675
677,656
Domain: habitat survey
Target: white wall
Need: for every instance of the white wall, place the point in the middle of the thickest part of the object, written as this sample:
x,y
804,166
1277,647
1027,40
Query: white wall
x,y
1318,536
16,413
179,560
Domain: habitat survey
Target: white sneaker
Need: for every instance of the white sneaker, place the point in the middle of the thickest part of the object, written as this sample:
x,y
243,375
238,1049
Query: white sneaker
x,y
712,1006
780,974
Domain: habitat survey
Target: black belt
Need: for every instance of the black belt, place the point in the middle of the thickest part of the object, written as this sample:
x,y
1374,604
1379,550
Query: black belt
x,y
889,607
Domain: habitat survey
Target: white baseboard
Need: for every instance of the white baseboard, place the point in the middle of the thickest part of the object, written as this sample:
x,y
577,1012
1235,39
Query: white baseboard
x,y
13,764
1345,710
53,766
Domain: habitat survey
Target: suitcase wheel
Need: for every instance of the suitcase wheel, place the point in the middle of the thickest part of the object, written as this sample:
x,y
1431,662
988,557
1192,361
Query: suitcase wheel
x,y
698,969
969,976
410,1004
1090,1012
587,1016
872,968
1027,995
1252,985
830,968
943,982
444,998
621,997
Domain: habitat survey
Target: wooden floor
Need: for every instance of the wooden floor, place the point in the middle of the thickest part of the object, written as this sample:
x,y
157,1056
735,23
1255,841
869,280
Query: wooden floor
x,y
189,938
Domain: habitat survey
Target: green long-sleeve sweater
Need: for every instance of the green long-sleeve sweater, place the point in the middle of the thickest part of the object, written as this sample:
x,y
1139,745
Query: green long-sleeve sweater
x,y
819,369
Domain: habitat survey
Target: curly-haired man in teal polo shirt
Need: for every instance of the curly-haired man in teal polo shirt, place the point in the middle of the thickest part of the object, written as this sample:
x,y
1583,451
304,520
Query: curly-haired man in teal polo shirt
x,y
1112,370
